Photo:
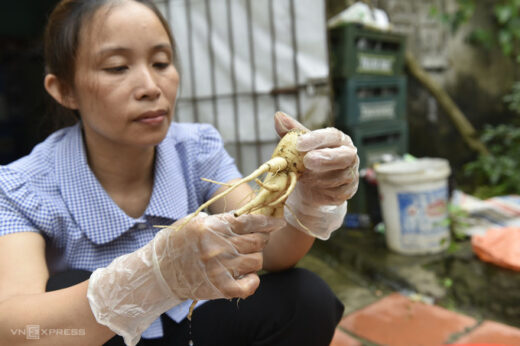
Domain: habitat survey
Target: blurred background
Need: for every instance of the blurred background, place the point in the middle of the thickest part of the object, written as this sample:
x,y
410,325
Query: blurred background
x,y
405,79
242,60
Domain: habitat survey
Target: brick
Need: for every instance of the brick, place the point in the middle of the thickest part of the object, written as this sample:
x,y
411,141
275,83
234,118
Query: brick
x,y
397,321
492,332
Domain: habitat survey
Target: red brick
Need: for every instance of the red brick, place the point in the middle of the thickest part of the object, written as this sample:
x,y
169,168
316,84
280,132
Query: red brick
x,y
343,339
492,332
395,320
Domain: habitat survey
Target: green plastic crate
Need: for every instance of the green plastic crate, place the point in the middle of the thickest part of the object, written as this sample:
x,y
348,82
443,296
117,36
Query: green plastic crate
x,y
357,50
361,100
364,202
372,142
377,139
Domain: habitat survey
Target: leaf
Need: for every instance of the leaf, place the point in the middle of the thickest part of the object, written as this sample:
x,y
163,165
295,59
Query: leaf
x,y
434,11
481,36
447,282
503,13
453,247
505,38
443,223
445,18
514,26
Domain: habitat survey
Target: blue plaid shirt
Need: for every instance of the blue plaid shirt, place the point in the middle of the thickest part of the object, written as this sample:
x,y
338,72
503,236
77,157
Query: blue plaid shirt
x,y
52,191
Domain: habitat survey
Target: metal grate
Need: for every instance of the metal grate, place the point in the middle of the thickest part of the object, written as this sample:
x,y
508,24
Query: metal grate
x,y
241,60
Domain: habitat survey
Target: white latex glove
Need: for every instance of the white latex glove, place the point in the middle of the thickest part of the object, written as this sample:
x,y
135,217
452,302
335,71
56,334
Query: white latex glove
x,y
318,204
211,257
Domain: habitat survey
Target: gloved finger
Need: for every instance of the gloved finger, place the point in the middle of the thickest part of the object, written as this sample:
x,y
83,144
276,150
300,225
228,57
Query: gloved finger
x,y
249,243
181,222
328,159
339,194
248,223
218,270
210,279
211,248
247,286
219,240
313,196
322,198
213,285
321,222
329,137
229,226
241,287
283,123
329,179
245,264
222,224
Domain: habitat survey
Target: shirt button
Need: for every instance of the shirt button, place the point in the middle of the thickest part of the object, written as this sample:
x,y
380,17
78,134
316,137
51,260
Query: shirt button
x,y
141,226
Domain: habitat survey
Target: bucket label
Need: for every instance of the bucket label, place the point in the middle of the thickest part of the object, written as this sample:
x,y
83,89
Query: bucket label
x,y
422,215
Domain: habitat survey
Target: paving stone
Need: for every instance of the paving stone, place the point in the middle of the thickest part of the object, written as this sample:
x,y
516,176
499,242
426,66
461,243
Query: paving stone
x,y
492,332
343,339
398,321
351,288
454,278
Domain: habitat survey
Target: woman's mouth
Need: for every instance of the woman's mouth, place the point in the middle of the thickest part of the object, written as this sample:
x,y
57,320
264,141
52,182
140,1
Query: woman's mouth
x,y
152,117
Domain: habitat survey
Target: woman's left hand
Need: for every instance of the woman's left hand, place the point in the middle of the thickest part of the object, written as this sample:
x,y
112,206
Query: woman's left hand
x,y
331,166
330,178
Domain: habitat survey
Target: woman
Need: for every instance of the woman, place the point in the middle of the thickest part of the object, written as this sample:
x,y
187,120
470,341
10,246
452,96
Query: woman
x,y
81,208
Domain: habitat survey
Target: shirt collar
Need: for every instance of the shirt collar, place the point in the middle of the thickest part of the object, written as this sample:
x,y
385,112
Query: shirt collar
x,y
97,215
169,197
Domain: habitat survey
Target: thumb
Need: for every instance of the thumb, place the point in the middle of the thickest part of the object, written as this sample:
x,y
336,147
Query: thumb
x,y
283,123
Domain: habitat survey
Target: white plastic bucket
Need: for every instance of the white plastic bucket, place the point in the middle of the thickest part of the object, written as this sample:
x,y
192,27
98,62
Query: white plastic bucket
x,y
414,204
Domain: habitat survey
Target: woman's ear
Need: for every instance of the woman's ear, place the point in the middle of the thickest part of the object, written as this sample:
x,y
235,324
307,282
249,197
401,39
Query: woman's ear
x,y
56,90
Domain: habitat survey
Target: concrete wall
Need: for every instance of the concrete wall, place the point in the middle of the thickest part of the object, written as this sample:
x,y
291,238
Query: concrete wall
x,y
475,78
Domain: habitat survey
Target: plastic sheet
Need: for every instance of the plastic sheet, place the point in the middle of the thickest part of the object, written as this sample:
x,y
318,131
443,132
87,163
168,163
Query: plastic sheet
x,y
500,246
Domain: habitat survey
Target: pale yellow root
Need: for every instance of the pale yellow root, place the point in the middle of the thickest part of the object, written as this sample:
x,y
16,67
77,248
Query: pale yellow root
x,y
293,179
216,182
269,187
278,212
283,170
275,164
264,196
192,307
267,203
249,196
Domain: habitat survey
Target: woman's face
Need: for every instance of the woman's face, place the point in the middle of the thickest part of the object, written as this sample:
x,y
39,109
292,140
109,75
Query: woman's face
x,y
125,82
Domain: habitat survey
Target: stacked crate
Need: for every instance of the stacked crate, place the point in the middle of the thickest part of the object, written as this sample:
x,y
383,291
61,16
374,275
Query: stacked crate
x,y
369,96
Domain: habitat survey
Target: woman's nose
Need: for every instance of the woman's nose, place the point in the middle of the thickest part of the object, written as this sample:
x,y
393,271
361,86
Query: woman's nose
x,y
147,87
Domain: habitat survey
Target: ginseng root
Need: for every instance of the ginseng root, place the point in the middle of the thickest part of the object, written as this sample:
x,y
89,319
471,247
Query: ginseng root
x,y
282,172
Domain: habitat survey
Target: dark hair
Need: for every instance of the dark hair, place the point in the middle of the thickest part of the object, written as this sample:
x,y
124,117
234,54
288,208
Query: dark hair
x,y
61,42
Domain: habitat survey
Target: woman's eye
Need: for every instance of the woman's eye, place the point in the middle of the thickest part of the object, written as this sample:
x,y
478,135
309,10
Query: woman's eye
x,y
116,69
161,65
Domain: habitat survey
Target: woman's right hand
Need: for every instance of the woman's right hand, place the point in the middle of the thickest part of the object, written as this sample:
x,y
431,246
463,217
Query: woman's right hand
x,y
214,256
209,257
